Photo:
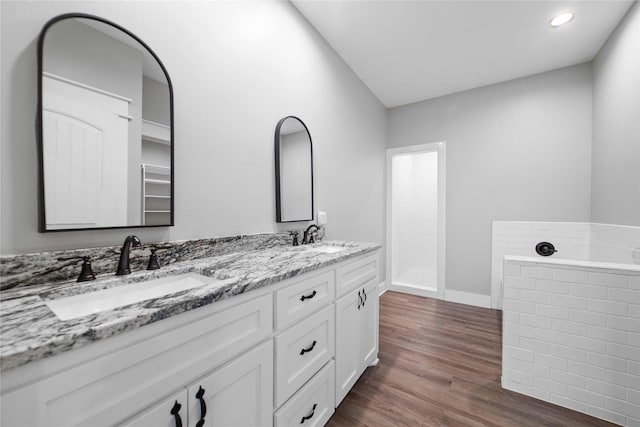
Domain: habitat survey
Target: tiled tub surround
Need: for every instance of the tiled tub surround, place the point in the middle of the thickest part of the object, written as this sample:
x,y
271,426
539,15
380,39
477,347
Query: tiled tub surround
x,y
573,240
571,335
30,331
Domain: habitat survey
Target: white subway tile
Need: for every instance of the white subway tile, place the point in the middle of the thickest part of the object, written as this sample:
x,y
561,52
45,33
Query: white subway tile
x,y
535,370
520,306
630,296
570,301
608,279
510,339
551,286
588,317
519,353
509,362
568,353
551,386
623,323
633,396
569,327
586,396
587,344
607,334
520,282
634,282
633,422
633,340
578,381
608,307
512,293
552,311
510,316
586,370
567,403
633,368
519,330
551,361
606,415
634,311
536,321
590,291
622,407
564,275
623,351
607,362
536,346
606,389
551,336
537,272
624,380
517,376
536,297
511,269
525,389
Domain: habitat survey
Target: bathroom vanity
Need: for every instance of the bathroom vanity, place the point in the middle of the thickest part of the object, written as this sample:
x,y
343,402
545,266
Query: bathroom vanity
x,y
276,336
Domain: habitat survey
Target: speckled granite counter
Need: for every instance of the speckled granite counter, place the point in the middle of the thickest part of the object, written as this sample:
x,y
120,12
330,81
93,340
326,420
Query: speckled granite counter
x,y
30,331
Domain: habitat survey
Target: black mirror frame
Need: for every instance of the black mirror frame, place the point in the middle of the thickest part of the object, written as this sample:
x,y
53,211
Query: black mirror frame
x,y
277,158
42,226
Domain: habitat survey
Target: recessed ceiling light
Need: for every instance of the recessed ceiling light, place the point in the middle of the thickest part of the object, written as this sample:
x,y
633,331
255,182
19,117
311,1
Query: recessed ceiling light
x,y
561,19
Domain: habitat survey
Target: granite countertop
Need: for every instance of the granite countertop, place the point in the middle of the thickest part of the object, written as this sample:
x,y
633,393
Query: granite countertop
x,y
30,331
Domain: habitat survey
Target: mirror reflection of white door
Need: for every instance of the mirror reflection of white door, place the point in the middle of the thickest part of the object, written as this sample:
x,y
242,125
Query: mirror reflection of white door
x,y
86,137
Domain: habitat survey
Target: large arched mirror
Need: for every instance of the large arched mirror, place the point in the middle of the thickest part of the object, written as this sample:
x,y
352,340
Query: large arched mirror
x,y
294,171
105,125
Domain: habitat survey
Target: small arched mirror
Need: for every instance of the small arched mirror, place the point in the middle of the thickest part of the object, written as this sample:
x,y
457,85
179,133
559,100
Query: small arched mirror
x,y
105,128
294,171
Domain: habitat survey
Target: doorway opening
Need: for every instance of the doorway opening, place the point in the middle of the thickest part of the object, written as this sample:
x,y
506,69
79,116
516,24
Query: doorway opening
x,y
416,219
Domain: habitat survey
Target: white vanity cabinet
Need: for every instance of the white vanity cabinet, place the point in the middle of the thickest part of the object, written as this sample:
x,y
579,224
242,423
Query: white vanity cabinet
x,y
284,354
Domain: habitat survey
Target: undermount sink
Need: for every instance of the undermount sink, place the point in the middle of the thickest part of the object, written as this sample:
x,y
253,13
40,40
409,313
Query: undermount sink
x,y
327,249
67,308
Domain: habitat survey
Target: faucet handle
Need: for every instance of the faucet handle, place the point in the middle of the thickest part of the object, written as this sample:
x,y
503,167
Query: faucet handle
x,y
153,260
295,235
86,272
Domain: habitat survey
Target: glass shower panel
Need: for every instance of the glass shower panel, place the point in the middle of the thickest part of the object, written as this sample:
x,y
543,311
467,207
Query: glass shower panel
x,y
414,220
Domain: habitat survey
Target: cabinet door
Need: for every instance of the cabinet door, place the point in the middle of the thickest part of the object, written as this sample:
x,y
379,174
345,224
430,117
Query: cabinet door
x,y
170,412
369,324
347,343
238,394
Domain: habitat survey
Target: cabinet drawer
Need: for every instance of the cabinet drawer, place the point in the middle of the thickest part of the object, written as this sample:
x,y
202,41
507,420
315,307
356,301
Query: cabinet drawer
x,y
355,274
313,405
303,298
301,351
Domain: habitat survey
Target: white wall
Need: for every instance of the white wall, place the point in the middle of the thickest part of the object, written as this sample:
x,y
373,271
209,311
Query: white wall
x,y
615,184
237,68
518,150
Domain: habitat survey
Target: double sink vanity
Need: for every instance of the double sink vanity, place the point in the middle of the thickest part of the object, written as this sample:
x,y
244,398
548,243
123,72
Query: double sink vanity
x,y
267,336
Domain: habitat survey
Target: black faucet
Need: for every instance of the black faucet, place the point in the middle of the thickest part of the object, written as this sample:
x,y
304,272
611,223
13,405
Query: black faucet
x,y
307,237
123,264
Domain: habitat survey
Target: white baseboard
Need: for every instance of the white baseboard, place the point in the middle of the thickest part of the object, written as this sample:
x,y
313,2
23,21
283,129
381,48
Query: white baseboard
x,y
469,298
382,288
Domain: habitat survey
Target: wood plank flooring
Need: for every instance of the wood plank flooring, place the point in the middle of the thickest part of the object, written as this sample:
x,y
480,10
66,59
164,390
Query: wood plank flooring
x,y
440,365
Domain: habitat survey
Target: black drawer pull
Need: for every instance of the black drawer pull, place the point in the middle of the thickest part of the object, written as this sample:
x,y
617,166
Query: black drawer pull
x,y
305,350
304,297
360,301
176,415
308,417
365,296
203,406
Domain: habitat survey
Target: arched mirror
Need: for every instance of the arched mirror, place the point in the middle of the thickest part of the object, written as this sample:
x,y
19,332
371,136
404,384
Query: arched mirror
x,y
105,127
294,171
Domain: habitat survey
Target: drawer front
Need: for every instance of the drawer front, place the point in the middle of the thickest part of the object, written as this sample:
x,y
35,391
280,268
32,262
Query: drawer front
x,y
313,405
301,351
141,373
303,298
356,274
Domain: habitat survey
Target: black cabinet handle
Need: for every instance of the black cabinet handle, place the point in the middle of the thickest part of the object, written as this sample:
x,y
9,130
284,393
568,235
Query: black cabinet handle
x,y
176,415
305,350
365,296
304,297
308,417
359,300
203,406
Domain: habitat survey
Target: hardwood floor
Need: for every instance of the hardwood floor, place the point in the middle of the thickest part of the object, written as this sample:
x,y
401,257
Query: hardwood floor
x,y
440,365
